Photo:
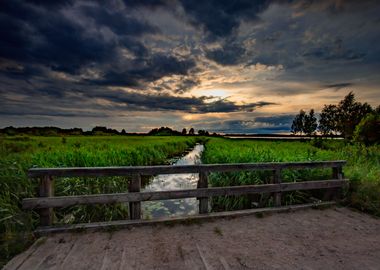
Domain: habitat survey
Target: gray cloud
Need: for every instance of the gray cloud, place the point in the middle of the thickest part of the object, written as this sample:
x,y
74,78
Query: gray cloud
x,y
222,18
229,54
338,86
146,102
273,124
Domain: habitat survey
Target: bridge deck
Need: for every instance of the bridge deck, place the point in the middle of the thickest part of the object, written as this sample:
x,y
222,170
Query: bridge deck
x,y
335,238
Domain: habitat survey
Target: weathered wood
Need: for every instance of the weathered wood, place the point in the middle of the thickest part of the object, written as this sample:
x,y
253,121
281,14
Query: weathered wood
x,y
277,180
35,203
334,193
203,201
119,224
135,207
338,174
46,190
168,169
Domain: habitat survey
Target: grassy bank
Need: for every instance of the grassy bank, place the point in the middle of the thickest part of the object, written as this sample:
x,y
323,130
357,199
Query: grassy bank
x,y
18,154
363,169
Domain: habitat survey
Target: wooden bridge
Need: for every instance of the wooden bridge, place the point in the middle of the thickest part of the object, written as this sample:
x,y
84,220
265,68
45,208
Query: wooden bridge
x,y
336,238
46,200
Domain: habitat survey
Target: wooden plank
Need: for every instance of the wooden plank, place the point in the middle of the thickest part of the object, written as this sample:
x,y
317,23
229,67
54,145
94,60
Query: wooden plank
x,y
46,190
337,192
168,169
119,224
334,193
277,180
135,207
33,203
203,201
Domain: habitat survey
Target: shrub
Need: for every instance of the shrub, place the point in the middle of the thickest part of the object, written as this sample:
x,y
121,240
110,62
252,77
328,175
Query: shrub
x,y
368,130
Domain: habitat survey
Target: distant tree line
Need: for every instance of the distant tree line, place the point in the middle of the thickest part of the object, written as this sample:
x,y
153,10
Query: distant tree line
x,y
43,131
98,130
349,119
165,131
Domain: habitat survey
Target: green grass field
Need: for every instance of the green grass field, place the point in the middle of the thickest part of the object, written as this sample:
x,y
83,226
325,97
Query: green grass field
x,y
18,154
363,168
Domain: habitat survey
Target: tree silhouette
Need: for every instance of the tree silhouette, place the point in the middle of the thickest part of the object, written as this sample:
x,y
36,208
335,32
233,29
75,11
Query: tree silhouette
x,y
304,123
310,123
297,125
203,132
184,131
350,113
191,131
341,118
328,123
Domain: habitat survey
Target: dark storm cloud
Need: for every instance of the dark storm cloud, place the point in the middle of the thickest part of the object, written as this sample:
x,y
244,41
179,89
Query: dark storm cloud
x,y
144,102
146,70
50,4
338,86
334,53
48,102
118,22
59,43
185,85
10,110
36,35
219,18
229,54
145,3
32,34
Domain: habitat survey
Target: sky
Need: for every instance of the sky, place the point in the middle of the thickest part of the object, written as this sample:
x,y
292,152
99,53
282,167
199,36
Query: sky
x,y
224,66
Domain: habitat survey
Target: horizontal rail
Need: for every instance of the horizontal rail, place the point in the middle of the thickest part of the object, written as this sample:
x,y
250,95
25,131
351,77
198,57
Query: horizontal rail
x,y
47,202
119,224
169,169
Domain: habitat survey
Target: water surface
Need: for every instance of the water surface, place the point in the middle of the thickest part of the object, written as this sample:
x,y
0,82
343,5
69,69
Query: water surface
x,y
178,207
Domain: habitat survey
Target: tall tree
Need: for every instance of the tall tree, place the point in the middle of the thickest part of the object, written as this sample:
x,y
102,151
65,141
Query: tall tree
x,y
328,123
350,113
184,131
191,131
297,125
310,123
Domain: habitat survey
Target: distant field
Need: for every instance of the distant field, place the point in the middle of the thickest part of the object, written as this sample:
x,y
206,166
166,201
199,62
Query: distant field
x,y
19,153
363,168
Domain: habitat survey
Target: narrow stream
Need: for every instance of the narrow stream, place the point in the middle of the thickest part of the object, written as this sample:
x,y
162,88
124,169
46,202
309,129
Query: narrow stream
x,y
179,207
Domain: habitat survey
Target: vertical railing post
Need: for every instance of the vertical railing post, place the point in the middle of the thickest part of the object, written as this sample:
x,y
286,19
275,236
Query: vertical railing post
x,y
135,207
203,201
334,193
46,190
337,174
277,180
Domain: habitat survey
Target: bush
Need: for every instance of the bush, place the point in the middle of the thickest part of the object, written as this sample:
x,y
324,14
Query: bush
x,y
368,130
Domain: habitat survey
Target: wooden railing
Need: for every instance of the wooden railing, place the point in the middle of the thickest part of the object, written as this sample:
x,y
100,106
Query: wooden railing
x,y
46,200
